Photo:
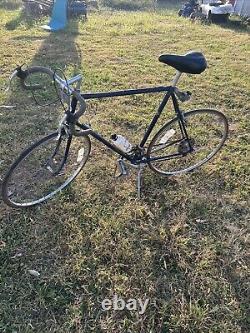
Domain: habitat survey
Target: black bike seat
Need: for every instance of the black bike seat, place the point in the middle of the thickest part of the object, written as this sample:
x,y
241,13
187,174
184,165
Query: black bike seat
x,y
193,62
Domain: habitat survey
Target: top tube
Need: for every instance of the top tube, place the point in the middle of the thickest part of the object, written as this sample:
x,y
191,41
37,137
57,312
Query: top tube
x,y
126,92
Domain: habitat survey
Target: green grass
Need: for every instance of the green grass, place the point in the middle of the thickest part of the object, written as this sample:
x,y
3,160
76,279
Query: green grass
x,y
128,4
184,245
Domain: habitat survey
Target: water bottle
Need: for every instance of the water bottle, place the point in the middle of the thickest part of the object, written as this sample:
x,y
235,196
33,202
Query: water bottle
x,y
121,142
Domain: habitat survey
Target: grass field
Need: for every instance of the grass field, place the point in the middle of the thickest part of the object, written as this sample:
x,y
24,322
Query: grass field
x,y
184,245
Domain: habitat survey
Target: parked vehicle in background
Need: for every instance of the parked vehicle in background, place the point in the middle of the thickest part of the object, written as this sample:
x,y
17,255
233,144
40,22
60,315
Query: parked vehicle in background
x,y
216,10
188,8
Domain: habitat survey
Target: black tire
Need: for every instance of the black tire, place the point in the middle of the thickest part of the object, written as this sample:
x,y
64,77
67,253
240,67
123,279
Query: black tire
x,y
44,166
199,125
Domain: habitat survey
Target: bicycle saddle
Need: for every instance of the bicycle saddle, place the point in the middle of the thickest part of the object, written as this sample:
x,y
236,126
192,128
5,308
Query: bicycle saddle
x,y
193,62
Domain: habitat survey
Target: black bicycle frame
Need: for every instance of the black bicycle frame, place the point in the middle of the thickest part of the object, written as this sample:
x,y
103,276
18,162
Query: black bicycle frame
x,y
169,93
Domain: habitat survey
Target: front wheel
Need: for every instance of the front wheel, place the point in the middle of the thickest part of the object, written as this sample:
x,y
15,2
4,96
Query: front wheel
x,y
44,169
170,153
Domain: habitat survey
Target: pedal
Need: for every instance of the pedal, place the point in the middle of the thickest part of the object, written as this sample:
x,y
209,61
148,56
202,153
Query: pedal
x,y
122,169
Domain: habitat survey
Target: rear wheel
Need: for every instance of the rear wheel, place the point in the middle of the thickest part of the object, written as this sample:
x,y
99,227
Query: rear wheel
x,y
44,169
170,154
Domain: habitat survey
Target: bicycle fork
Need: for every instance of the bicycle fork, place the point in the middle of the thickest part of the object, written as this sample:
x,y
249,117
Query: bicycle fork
x,y
65,156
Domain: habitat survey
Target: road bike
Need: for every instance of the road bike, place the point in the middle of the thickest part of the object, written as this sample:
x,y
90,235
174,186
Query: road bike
x,y
182,145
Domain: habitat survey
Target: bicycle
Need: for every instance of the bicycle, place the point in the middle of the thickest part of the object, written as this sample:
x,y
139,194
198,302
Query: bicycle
x,y
183,144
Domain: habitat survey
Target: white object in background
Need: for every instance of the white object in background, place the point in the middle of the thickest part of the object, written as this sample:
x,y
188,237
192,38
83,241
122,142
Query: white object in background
x,y
167,136
34,273
216,7
7,106
242,8
121,142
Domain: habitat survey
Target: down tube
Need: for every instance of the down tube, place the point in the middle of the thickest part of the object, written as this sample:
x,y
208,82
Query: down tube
x,y
156,117
105,142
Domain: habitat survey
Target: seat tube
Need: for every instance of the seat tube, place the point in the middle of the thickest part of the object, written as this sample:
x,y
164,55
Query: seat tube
x,y
176,78
156,116
180,118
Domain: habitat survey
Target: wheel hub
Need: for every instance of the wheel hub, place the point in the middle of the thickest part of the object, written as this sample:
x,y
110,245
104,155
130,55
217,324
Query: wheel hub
x,y
186,146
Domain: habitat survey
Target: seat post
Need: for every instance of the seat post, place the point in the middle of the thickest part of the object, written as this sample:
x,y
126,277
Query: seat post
x,y
176,78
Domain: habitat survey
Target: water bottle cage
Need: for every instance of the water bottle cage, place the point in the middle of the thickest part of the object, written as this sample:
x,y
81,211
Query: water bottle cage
x,y
182,96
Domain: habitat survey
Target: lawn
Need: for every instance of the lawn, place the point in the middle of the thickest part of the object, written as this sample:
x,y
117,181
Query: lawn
x,y
184,245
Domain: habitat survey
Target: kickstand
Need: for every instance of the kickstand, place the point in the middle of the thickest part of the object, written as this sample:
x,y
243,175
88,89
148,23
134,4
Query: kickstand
x,y
121,167
139,180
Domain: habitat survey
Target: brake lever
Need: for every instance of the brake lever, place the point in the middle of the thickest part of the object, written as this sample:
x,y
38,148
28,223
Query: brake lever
x,y
20,73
